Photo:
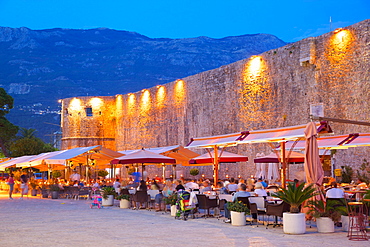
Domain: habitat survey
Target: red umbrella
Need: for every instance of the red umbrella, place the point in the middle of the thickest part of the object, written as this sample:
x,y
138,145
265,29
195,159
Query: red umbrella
x,y
226,157
272,158
312,165
143,156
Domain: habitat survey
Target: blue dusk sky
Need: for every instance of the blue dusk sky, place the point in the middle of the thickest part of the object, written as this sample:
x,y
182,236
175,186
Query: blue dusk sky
x,y
290,20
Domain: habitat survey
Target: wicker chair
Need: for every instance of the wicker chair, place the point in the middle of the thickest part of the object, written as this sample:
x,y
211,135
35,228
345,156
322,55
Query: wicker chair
x,y
276,210
206,204
140,197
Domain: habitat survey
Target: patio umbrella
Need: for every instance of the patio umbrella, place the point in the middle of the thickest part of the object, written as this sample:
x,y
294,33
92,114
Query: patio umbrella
x,y
224,157
312,165
143,156
273,158
259,166
272,172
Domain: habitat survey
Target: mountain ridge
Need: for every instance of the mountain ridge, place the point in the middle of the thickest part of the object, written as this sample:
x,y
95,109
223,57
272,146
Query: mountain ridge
x,y
38,67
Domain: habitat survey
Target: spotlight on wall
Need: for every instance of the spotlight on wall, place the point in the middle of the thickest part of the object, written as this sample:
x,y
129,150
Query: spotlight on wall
x,y
338,30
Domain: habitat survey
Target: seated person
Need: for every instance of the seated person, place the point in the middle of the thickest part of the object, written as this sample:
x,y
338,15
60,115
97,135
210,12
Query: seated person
x,y
191,185
259,190
264,184
221,188
241,193
117,186
232,186
334,192
361,185
179,185
206,186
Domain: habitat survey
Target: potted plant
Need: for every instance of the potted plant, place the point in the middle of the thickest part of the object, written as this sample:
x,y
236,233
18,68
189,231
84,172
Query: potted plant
x,y
194,171
294,221
326,214
56,174
108,194
124,201
102,173
238,211
54,188
172,200
34,186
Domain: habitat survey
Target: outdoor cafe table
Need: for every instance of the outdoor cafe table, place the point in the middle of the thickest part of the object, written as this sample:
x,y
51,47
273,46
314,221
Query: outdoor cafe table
x,y
358,193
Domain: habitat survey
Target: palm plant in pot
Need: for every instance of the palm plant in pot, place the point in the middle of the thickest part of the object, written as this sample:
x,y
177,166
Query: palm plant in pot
x,y
295,196
54,188
326,213
238,212
124,201
34,186
108,194
171,200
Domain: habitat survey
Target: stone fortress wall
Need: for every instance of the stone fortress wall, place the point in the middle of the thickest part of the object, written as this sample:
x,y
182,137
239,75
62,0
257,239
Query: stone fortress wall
x,y
271,90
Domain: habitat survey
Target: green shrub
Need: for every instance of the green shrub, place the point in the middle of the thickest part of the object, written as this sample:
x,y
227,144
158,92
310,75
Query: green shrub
x,y
103,173
194,171
56,174
238,207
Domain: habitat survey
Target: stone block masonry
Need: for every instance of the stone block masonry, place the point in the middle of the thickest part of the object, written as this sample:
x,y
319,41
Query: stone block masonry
x,y
271,90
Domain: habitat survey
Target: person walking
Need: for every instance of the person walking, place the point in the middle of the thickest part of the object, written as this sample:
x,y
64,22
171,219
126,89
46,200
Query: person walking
x,y
10,182
24,184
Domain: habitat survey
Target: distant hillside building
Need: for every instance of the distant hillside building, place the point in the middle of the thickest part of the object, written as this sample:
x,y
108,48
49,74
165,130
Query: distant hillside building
x,y
273,89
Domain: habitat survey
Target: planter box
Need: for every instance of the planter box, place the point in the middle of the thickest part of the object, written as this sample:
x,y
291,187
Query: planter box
x,y
238,218
124,203
294,223
173,210
325,224
345,223
33,192
109,201
54,194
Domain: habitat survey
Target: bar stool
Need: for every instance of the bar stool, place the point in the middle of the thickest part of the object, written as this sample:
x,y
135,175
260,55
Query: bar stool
x,y
357,228
367,213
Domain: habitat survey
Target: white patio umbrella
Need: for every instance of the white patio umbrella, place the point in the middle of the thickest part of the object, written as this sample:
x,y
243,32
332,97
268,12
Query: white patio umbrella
x,y
272,172
260,167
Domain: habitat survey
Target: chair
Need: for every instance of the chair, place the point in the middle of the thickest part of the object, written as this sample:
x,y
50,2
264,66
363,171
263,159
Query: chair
x,y
73,192
251,206
272,189
124,192
141,197
152,194
205,203
357,226
260,203
276,210
83,193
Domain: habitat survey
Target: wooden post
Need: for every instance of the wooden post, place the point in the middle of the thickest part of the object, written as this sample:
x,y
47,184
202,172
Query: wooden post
x,y
284,165
215,166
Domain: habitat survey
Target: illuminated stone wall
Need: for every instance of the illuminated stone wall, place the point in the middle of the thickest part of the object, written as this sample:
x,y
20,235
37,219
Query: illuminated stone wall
x,y
273,89
81,130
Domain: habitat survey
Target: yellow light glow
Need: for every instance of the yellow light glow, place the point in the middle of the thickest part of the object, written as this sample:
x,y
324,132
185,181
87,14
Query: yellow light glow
x,y
75,105
179,92
340,45
161,96
119,105
255,92
131,104
145,101
96,102
255,65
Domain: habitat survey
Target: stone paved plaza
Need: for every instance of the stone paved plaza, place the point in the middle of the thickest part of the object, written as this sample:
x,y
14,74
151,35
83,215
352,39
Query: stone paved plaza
x,y
45,222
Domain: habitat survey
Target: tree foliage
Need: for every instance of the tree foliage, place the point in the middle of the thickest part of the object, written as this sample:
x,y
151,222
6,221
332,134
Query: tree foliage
x,y
29,146
8,130
27,133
